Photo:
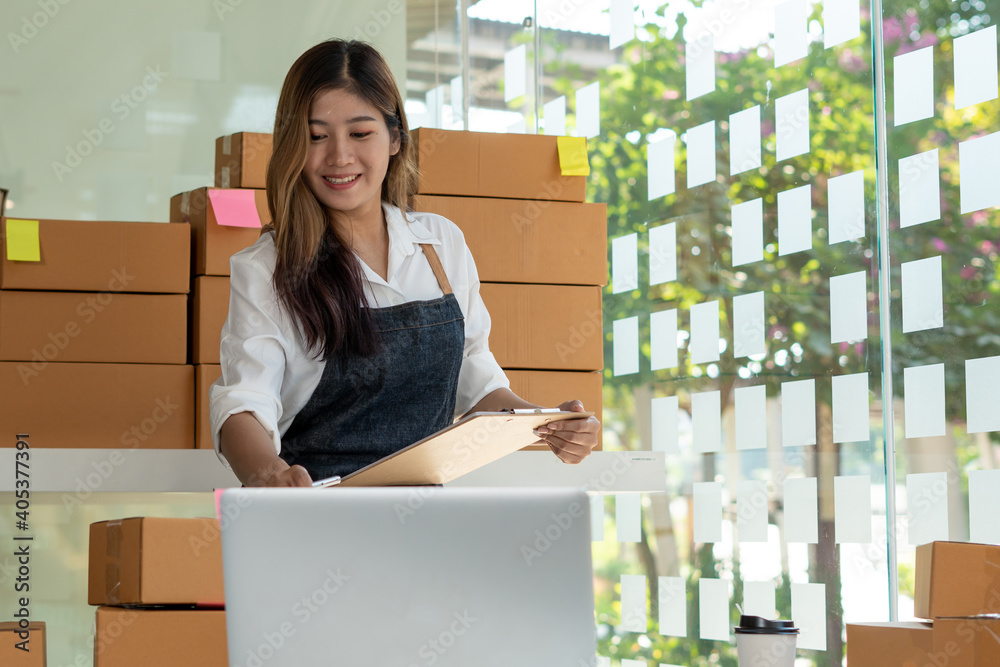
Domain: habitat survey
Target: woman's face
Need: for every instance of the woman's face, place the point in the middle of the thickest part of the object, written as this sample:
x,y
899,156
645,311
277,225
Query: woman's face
x,y
349,151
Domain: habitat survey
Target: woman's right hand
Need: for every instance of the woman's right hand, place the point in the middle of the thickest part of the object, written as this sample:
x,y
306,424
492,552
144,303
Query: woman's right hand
x,y
289,476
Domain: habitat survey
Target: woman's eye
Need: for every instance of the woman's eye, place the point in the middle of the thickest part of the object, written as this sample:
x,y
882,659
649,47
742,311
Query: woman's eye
x,y
360,135
315,137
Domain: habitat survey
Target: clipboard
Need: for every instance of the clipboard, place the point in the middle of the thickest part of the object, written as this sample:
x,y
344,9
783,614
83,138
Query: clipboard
x,y
470,443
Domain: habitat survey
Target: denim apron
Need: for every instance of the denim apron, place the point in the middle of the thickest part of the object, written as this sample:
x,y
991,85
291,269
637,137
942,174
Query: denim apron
x,y
366,408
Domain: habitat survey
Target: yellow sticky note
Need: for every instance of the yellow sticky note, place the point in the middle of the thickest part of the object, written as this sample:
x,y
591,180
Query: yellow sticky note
x,y
573,156
22,241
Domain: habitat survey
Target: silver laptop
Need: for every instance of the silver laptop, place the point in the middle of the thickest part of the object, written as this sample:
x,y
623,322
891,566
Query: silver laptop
x,y
408,577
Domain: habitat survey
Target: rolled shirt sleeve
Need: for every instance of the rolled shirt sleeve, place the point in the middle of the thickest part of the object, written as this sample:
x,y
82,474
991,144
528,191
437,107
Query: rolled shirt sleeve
x,y
480,374
253,350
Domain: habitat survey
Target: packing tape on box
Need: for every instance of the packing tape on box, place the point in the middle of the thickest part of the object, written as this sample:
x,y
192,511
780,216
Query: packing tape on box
x,y
113,568
225,176
227,147
186,203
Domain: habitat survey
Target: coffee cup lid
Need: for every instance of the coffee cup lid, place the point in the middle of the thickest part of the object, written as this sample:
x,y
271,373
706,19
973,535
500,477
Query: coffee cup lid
x,y
756,625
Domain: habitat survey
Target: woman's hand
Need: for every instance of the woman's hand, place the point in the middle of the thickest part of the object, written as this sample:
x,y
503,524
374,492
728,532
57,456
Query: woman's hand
x,y
571,440
289,476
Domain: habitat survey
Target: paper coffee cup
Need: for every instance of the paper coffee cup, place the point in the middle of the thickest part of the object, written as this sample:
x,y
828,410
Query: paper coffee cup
x,y
764,643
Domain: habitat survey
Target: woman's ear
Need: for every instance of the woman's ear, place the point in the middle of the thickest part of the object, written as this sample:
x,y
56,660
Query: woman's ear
x,y
395,144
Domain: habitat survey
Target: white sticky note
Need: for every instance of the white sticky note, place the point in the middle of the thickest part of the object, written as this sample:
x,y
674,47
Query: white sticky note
x,y
707,498
624,263
663,339
759,599
633,603
792,124
622,23
751,417
663,253
913,86
660,167
700,142
976,67
809,614
603,661
846,197
518,127
748,232
628,516
798,413
554,117
841,21
927,507
791,37
626,346
664,415
982,395
851,408
923,401
588,111
515,73
984,499
795,220
705,332
978,162
848,308
673,606
706,418
751,511
699,66
713,612
626,662
748,325
852,511
597,517
920,188
801,511
744,140
923,294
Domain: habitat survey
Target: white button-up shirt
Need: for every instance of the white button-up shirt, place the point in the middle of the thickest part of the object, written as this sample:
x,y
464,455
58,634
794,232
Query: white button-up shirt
x,y
266,369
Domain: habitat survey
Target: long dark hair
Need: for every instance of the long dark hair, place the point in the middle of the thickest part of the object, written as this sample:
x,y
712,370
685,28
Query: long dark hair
x,y
317,278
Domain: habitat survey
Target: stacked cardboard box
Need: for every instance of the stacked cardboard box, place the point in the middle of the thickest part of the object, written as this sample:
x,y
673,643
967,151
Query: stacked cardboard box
x,y
224,220
93,327
540,251
22,646
958,591
158,587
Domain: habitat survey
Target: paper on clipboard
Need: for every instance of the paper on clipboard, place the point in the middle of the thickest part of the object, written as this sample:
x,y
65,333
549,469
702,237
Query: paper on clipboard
x,y
468,444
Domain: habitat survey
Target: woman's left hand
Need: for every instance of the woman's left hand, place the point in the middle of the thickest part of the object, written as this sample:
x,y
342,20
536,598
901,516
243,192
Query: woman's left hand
x,y
571,440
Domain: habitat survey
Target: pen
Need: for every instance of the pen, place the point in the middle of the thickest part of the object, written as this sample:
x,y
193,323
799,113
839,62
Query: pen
x,y
329,481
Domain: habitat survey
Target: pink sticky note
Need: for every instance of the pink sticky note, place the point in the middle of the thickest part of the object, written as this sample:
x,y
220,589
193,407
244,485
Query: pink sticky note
x,y
218,504
234,208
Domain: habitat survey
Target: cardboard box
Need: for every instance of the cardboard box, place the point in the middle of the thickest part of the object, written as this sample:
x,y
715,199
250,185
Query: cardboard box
x,y
241,160
155,561
160,638
966,642
888,644
552,388
209,309
213,244
144,406
204,376
956,579
486,164
11,635
103,256
545,327
45,327
521,241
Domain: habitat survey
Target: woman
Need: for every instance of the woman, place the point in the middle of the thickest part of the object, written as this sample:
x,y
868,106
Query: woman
x,y
354,328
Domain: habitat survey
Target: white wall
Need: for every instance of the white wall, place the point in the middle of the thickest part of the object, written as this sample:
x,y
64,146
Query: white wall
x,y
189,71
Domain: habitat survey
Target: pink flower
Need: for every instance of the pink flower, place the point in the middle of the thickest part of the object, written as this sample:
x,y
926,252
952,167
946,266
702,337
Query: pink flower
x,y
940,245
987,247
670,94
968,272
892,31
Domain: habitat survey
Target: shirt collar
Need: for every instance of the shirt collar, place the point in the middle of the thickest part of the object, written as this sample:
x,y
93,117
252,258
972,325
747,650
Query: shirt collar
x,y
405,231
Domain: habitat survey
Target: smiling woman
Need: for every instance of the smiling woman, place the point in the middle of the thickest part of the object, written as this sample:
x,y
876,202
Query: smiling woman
x,y
355,327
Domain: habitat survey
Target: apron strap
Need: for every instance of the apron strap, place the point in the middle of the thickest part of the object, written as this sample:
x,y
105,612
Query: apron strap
x,y
436,267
